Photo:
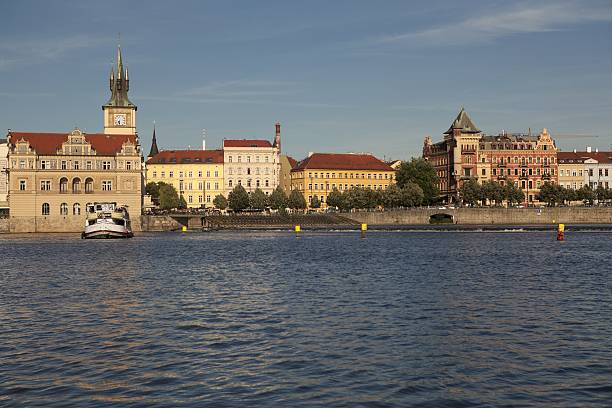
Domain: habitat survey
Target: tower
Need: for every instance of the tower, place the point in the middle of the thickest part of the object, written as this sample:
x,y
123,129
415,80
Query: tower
x,y
154,150
119,112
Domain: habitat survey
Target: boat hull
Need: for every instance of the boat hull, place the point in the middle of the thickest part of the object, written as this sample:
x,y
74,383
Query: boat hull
x,y
102,230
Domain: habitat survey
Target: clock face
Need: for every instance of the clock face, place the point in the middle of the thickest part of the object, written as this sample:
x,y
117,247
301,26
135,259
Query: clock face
x,y
120,120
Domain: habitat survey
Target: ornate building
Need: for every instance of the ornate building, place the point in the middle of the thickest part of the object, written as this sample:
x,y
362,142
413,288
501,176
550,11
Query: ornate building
x,y
525,160
319,173
4,207
52,176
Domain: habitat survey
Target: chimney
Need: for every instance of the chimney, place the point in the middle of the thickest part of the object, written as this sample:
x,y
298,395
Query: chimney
x,y
588,149
277,137
596,150
574,150
203,139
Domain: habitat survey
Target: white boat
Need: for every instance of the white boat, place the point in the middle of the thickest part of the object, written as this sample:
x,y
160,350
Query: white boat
x,y
107,220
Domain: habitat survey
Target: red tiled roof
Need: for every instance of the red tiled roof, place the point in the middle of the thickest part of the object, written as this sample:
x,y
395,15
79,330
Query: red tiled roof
x,y
49,143
292,161
580,157
347,161
246,143
187,157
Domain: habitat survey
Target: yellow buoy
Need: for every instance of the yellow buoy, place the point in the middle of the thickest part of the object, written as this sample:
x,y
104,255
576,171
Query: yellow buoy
x,y
184,228
364,227
297,228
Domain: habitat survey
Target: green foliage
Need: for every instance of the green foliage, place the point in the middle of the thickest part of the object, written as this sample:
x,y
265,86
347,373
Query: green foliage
x,y
152,189
392,197
220,202
514,194
278,199
168,197
296,200
258,200
412,195
238,198
334,199
470,192
182,203
494,192
314,202
421,172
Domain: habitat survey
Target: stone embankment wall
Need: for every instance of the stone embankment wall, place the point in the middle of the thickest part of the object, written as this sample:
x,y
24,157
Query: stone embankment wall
x,y
4,225
156,223
489,216
68,223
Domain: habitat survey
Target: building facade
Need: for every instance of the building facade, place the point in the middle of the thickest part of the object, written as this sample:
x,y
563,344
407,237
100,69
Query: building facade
x,y
53,176
252,163
4,206
465,152
197,175
590,168
319,173
287,163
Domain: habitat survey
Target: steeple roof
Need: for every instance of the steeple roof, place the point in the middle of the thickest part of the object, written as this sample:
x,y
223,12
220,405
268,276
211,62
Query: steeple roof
x,y
463,122
119,84
154,149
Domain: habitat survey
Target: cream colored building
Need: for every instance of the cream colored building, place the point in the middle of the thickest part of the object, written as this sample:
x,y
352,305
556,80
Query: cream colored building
x,y
197,175
252,163
319,173
3,176
53,176
591,168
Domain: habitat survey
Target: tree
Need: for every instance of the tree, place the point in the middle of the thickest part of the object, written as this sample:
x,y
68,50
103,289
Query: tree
x,y
412,195
314,202
182,203
278,199
513,194
334,198
392,196
168,197
258,200
220,202
586,194
470,192
152,189
296,200
238,198
421,172
493,191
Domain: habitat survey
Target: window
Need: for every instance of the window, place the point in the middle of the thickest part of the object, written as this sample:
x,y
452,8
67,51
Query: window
x,y
190,174
76,165
267,183
208,199
239,159
216,186
208,185
45,209
22,185
190,186
64,165
63,209
200,199
248,159
106,165
76,209
107,185
216,173
190,199
63,185
171,174
88,165
22,164
249,183
484,172
163,174
200,185
230,159
45,185
45,164
128,165
180,174
199,173
76,185
229,183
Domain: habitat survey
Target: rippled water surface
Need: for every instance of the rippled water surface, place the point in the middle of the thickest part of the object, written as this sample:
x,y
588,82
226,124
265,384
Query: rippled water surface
x,y
423,319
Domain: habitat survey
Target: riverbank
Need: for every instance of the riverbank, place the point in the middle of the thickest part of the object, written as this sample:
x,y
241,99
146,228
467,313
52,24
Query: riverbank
x,y
418,218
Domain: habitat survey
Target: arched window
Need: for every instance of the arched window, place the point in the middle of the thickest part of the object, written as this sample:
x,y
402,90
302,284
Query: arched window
x,y
76,185
76,208
63,209
88,185
45,209
63,185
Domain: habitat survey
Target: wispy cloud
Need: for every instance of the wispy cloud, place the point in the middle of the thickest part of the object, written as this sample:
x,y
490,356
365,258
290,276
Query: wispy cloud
x,y
525,18
257,101
18,52
241,89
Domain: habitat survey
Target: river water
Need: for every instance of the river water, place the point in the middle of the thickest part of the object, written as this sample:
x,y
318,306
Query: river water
x,y
257,319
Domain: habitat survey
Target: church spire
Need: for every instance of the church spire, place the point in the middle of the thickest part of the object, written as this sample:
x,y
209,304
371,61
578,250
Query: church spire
x,y
119,84
154,150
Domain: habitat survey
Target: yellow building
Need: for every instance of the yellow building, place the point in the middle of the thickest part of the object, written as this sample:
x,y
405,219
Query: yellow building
x,y
572,169
319,173
53,176
197,175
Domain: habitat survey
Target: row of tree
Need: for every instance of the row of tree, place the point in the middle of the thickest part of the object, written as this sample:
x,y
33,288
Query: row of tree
x,y
238,200
490,192
554,194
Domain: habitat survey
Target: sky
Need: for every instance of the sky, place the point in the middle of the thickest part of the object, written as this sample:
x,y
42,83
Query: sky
x,y
340,76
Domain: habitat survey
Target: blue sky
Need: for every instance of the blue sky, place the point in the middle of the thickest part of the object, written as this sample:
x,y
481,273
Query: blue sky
x,y
359,76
